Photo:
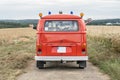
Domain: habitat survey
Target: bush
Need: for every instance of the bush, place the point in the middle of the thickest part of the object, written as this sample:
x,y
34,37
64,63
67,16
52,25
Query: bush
x,y
104,53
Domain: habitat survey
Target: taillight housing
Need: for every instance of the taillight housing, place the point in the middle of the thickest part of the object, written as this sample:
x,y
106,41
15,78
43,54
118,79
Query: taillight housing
x,y
83,48
39,51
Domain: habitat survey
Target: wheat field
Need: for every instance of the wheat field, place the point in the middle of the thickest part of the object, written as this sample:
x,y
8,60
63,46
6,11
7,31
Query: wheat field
x,y
104,49
104,31
17,48
11,35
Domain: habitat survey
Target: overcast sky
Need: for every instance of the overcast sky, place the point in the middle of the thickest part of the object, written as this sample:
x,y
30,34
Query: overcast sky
x,y
29,9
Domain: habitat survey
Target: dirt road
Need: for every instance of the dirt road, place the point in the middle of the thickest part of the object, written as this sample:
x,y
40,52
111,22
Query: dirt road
x,y
68,71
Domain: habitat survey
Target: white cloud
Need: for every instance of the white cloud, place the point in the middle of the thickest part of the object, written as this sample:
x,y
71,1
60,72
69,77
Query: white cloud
x,y
18,9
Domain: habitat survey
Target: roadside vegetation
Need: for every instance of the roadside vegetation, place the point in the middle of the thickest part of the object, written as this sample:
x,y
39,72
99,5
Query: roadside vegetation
x,y
104,49
17,48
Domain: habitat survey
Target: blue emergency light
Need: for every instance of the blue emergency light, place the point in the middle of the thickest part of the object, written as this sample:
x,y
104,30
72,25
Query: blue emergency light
x,y
49,12
71,12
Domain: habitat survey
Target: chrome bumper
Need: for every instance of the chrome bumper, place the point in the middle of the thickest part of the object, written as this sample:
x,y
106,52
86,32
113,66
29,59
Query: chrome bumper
x,y
61,58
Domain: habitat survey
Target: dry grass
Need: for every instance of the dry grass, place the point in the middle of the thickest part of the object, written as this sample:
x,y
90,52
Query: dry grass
x,y
17,48
107,32
104,49
104,31
11,35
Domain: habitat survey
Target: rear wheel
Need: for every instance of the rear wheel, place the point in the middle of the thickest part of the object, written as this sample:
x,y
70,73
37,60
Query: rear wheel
x,y
82,64
40,64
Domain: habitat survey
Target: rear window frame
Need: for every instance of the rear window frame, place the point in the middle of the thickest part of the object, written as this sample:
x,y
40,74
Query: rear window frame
x,y
63,20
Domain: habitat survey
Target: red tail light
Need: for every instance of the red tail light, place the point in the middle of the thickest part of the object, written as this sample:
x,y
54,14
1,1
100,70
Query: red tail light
x,y
84,48
39,51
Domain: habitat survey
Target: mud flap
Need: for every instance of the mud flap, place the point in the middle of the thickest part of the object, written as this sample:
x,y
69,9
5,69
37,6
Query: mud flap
x,y
82,64
40,64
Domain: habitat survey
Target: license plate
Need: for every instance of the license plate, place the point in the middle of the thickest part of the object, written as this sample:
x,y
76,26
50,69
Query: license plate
x,y
61,49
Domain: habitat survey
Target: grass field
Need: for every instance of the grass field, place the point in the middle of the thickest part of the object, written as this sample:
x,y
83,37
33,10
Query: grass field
x,y
17,48
104,49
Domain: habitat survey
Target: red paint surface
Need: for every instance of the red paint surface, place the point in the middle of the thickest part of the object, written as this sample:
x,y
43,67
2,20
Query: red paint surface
x,y
49,41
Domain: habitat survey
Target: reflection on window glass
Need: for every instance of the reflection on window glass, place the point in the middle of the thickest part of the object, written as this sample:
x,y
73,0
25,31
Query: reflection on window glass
x,y
61,26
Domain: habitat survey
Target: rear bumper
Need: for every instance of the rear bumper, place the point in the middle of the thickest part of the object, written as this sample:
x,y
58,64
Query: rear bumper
x,y
61,58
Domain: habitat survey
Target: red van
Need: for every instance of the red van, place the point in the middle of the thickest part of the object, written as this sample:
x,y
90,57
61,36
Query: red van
x,y
61,37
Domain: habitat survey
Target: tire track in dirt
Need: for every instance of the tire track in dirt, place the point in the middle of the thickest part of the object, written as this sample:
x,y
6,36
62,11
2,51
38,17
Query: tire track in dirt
x,y
58,71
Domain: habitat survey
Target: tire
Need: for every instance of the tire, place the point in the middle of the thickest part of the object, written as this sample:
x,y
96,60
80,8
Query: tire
x,y
40,64
82,64
81,67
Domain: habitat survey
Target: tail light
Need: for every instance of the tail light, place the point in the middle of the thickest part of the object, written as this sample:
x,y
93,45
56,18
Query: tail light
x,y
39,51
84,48
83,51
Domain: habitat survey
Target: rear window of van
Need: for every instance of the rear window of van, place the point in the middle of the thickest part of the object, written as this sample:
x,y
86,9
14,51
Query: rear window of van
x,y
61,26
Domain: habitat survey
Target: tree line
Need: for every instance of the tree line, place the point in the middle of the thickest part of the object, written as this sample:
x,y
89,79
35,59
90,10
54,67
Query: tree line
x,y
25,23
11,25
115,22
